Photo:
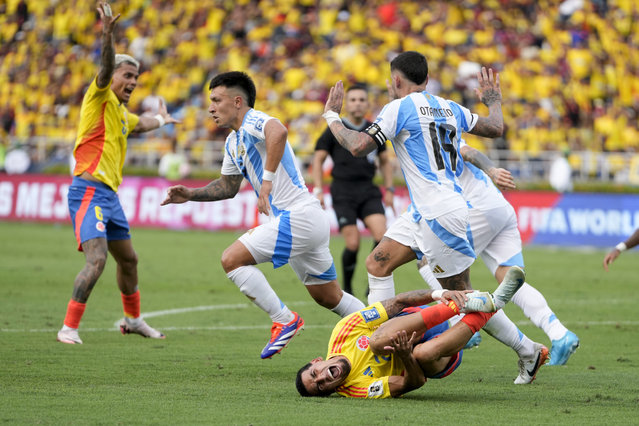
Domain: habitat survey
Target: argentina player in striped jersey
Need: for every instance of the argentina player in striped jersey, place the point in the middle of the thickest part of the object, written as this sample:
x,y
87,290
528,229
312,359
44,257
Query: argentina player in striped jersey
x,y
298,230
425,131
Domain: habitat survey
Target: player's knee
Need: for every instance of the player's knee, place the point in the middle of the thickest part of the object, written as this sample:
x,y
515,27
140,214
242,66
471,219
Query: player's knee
x,y
129,263
96,264
377,342
227,261
377,268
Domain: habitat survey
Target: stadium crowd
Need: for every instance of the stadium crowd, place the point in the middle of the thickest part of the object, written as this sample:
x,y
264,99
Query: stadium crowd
x,y
569,70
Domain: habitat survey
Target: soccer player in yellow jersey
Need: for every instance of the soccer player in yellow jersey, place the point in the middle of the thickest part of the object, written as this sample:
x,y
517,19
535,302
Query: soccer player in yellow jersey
x,y
389,348
97,216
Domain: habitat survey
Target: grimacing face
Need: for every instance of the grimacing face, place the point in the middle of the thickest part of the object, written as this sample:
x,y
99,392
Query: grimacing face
x,y
356,104
125,80
224,107
323,377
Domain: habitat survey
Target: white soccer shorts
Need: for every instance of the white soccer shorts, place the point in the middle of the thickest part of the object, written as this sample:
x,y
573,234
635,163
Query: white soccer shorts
x,y
298,237
443,240
496,238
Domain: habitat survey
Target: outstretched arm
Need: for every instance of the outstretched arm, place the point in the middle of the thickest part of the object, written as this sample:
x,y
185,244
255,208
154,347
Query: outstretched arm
x,y
501,177
632,241
394,305
107,60
227,186
151,123
489,93
357,143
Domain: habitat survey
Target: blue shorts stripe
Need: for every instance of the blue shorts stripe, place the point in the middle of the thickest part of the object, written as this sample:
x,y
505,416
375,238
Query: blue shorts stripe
x,y
453,241
328,275
516,260
284,243
101,216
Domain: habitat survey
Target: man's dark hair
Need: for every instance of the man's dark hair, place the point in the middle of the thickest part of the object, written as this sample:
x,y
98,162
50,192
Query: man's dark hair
x,y
358,86
298,381
412,64
238,80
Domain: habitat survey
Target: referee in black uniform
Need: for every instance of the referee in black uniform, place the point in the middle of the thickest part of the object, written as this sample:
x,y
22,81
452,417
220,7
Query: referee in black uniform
x,y
352,190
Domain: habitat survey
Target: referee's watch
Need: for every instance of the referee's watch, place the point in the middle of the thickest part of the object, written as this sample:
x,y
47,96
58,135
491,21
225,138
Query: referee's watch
x,y
390,189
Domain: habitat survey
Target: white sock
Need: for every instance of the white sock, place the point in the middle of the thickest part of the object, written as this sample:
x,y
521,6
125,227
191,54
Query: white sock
x,y
429,277
504,330
347,305
133,322
253,284
535,307
380,288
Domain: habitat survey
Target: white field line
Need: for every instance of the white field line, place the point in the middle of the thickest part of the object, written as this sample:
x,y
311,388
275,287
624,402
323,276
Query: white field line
x,y
266,325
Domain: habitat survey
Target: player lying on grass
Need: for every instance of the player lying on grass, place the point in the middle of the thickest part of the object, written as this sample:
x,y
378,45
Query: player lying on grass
x,y
496,239
389,348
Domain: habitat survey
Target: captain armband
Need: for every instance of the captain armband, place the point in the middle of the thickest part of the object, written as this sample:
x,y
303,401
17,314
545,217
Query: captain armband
x,y
375,132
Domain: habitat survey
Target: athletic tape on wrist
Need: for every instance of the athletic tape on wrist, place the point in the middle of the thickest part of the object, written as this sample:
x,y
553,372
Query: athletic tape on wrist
x,y
160,120
331,116
268,175
437,294
621,247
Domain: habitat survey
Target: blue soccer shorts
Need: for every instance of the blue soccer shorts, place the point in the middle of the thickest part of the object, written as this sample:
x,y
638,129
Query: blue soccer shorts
x,y
96,212
432,333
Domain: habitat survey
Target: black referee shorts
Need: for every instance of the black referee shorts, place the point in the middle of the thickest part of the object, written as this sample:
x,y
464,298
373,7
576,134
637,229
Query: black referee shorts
x,y
355,200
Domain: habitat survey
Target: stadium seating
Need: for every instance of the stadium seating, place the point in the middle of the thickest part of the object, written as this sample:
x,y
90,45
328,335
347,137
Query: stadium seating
x,y
569,77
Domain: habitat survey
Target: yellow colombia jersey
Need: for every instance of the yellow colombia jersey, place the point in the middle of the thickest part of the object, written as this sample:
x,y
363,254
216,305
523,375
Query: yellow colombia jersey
x,y
105,124
369,372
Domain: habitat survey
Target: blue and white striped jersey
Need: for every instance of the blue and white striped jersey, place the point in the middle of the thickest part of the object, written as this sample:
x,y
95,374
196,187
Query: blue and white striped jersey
x,y
245,154
478,189
425,131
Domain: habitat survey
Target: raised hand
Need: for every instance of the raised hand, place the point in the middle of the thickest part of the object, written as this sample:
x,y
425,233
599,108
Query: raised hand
x,y
106,16
489,90
335,98
168,119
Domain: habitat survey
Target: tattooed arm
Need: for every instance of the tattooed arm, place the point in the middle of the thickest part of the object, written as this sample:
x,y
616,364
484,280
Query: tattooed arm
x,y
357,143
501,177
395,305
489,93
107,61
227,186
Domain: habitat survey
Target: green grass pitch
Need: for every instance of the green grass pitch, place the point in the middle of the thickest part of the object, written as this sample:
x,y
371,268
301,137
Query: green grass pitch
x,y
208,370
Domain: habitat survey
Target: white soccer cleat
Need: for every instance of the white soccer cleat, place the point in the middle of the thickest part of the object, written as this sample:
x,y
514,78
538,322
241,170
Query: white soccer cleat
x,y
512,282
70,336
140,327
528,367
478,301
